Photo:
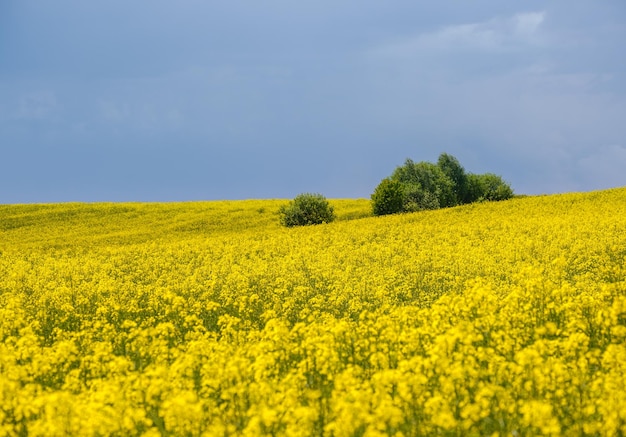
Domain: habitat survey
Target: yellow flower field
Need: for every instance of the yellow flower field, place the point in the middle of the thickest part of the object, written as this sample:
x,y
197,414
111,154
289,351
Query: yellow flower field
x,y
209,318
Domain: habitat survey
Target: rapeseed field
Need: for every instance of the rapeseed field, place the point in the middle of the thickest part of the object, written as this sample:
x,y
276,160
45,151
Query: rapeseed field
x,y
209,318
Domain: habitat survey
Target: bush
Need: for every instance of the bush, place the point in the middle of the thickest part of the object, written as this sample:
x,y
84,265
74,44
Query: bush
x,y
423,185
488,186
428,178
306,209
418,199
388,197
453,169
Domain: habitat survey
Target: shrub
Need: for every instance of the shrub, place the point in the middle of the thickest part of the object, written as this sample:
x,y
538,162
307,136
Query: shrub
x,y
424,185
452,168
388,197
418,199
488,186
306,209
429,178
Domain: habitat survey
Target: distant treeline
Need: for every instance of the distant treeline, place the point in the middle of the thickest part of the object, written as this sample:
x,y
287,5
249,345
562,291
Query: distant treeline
x,y
424,185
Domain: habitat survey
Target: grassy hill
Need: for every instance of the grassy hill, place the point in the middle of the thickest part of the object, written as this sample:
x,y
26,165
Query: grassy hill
x,y
209,317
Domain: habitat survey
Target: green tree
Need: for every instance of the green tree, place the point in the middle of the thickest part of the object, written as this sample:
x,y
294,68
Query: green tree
x,y
418,199
430,179
424,185
388,197
488,186
452,168
306,209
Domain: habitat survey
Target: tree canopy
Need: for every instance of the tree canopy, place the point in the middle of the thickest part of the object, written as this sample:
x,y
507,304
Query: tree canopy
x,y
425,185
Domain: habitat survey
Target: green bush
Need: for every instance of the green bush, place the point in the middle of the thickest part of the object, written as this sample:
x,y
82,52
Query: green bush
x,y
306,209
388,197
424,185
425,177
418,199
488,186
453,169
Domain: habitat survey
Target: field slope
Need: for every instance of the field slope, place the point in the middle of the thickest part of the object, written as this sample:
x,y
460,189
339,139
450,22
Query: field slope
x,y
208,318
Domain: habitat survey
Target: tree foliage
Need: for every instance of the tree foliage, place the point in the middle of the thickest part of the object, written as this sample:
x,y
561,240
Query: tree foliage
x,y
424,185
453,169
306,209
487,186
427,185
388,197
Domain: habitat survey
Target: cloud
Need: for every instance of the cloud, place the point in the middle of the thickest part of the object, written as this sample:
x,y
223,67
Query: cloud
x,y
140,115
527,24
36,106
494,35
114,112
604,168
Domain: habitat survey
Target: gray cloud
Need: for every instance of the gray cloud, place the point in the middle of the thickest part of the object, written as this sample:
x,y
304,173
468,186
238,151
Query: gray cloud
x,y
166,100
602,168
499,34
37,105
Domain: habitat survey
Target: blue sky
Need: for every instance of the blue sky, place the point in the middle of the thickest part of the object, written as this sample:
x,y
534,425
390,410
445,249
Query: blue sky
x,y
158,100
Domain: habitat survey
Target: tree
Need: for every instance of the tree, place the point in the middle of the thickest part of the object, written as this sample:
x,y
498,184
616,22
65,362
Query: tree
x,y
488,186
452,168
424,185
306,209
418,199
388,197
425,177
